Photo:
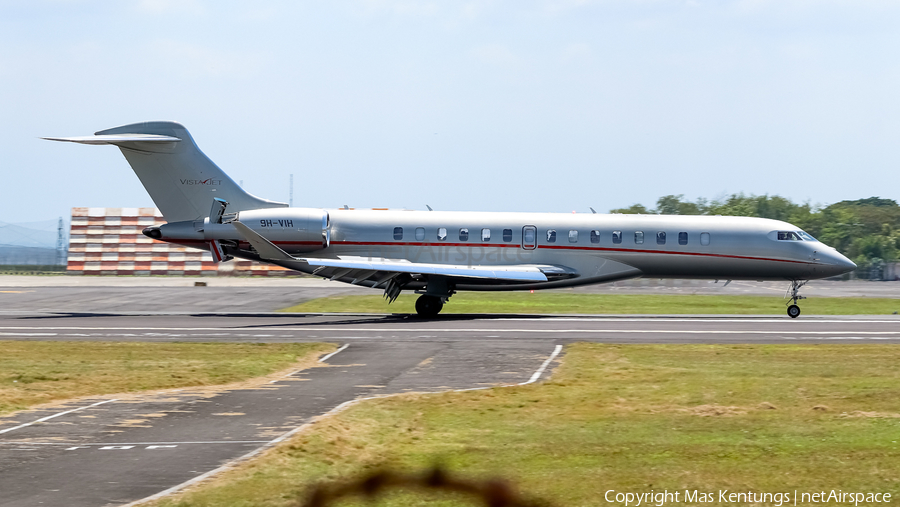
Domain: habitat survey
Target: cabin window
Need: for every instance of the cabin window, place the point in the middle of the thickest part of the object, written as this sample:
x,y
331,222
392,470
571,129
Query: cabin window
x,y
551,236
639,237
788,236
507,235
704,238
485,235
464,234
617,237
420,233
573,236
442,233
660,238
595,236
682,238
398,233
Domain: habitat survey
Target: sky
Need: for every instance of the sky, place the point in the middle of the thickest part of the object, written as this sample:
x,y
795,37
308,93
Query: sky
x,y
520,105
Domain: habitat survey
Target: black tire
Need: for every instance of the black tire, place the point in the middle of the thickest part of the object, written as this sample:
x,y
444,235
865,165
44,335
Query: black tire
x,y
793,311
429,306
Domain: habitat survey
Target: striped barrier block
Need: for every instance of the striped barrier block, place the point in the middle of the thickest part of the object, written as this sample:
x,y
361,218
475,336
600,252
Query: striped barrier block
x,y
109,241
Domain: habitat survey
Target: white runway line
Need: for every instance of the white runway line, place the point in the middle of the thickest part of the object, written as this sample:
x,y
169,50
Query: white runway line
x,y
540,371
140,443
55,415
322,360
536,331
326,358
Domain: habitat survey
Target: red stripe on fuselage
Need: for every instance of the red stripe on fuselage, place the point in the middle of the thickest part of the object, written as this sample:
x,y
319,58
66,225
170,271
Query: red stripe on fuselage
x,y
512,245
566,247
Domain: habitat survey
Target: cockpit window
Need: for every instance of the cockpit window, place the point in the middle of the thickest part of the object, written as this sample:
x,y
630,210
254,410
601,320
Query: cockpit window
x,y
806,236
788,236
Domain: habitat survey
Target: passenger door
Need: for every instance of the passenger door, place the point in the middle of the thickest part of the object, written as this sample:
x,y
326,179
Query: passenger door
x,y
529,237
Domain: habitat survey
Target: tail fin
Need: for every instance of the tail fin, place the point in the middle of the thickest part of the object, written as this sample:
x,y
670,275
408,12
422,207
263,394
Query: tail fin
x,y
180,179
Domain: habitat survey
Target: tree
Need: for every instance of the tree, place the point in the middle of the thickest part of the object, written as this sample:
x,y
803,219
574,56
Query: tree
x,y
634,209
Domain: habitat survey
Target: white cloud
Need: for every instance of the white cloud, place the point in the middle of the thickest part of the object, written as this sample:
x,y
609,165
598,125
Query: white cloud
x,y
197,61
496,54
171,6
403,7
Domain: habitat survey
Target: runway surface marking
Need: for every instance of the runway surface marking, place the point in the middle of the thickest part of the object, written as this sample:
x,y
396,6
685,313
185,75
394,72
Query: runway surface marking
x,y
467,330
353,327
42,419
540,371
335,410
329,356
138,443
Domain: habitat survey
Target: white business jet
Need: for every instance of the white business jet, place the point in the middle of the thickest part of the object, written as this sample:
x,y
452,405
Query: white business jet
x,y
437,253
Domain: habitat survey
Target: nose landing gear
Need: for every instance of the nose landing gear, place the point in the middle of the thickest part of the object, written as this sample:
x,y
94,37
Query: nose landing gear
x,y
793,310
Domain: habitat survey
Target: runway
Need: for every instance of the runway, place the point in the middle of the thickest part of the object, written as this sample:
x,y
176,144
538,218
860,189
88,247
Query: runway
x,y
117,450
478,330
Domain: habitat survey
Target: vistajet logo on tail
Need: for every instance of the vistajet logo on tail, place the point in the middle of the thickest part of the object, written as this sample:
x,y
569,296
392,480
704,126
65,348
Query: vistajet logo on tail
x,y
207,182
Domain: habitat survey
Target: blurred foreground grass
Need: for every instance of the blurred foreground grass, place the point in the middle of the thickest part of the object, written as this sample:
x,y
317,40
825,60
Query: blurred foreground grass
x,y
34,372
555,302
770,418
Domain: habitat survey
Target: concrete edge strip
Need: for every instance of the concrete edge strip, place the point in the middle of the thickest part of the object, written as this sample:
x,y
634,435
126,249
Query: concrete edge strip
x,y
55,415
298,429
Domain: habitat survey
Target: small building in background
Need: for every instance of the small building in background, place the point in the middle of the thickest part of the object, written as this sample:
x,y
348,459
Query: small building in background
x,y
109,241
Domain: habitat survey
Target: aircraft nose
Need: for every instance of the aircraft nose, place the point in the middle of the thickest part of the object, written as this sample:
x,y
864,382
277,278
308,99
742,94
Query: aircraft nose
x,y
840,264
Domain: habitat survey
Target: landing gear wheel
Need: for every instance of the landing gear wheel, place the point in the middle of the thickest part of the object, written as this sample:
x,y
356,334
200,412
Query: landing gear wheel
x,y
429,306
793,311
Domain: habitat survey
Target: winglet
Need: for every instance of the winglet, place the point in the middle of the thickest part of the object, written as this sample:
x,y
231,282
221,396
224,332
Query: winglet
x,y
265,248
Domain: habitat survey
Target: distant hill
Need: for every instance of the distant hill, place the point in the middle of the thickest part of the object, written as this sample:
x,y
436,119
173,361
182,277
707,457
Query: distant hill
x,y
27,255
32,234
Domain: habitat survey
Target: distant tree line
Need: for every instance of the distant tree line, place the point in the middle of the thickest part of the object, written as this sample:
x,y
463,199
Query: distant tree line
x,y
866,230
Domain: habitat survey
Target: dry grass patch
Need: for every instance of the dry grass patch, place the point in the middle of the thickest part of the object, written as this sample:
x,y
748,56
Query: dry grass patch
x,y
628,418
33,373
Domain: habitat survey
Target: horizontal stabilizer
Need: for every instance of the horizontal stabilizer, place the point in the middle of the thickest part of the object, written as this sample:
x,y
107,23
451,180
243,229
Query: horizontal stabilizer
x,y
116,139
181,180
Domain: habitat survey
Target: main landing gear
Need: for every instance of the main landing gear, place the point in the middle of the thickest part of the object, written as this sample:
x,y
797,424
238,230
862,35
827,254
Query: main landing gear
x,y
428,306
793,310
437,291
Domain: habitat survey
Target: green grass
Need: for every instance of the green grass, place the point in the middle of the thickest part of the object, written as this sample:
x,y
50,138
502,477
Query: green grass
x,y
767,418
555,302
38,372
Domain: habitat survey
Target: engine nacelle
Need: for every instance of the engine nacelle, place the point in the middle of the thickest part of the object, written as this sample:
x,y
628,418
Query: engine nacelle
x,y
294,230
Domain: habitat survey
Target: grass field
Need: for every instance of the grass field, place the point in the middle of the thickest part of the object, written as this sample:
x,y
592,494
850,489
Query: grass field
x,y
768,418
38,372
555,302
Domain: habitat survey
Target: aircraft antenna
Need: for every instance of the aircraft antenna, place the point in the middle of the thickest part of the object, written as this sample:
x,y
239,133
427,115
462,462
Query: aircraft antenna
x,y
592,210
291,195
60,243
429,207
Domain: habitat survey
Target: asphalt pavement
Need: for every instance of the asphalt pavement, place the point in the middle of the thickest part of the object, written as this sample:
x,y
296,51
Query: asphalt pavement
x,y
110,450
